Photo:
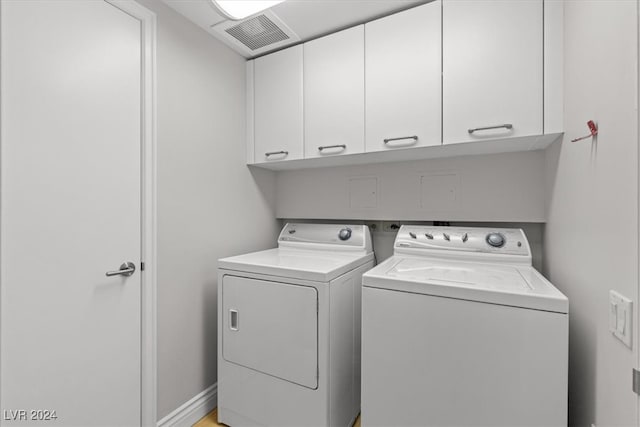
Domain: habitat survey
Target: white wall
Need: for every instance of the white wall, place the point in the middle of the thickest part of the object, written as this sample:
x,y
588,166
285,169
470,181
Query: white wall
x,y
495,187
591,236
210,205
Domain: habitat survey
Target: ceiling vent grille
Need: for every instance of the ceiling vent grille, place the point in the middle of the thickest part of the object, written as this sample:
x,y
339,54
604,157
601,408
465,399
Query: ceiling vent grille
x,y
257,32
256,35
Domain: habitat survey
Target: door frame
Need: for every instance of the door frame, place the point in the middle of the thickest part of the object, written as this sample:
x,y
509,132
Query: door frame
x,y
635,321
148,354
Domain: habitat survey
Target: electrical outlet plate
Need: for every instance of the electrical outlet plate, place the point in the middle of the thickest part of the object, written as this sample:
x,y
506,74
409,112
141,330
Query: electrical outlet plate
x,y
390,226
620,317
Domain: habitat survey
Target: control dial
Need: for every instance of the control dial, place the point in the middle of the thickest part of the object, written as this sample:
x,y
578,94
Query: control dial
x,y
496,240
345,234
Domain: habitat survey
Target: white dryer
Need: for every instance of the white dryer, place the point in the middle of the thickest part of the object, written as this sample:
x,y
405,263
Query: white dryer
x,y
289,328
459,329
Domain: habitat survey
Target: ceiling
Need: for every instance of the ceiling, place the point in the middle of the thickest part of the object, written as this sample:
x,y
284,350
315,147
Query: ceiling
x,y
308,19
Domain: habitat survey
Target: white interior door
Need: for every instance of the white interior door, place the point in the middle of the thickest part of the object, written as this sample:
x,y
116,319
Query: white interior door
x,y
70,211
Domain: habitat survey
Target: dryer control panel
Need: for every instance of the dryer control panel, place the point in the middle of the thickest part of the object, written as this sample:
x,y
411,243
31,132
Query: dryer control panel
x,y
326,235
505,241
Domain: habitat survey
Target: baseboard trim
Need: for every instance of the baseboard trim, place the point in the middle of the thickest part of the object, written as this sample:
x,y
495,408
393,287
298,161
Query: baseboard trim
x,y
192,410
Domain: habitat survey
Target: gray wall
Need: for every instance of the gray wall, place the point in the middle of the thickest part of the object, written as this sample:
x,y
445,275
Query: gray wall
x,y
210,205
591,236
493,187
591,189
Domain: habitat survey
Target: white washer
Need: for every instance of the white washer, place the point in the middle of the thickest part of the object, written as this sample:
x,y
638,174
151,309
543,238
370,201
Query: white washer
x,y
459,329
289,328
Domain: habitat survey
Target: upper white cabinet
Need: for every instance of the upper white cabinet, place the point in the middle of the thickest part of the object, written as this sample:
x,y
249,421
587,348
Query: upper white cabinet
x,y
278,106
334,94
413,85
492,69
403,79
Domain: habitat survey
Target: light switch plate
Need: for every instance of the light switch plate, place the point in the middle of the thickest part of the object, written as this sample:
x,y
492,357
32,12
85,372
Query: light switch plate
x,y
620,317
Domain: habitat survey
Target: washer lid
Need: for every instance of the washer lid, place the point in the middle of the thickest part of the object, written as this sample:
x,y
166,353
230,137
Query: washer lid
x,y
317,266
518,286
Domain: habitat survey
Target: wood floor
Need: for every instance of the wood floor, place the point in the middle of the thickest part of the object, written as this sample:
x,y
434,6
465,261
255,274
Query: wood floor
x,y
211,420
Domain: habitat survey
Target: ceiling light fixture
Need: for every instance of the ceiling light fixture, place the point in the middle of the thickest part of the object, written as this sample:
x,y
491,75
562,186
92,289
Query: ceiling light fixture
x,y
240,9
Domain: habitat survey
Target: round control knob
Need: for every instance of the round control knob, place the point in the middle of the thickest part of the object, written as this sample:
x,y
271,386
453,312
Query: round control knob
x,y
496,240
344,234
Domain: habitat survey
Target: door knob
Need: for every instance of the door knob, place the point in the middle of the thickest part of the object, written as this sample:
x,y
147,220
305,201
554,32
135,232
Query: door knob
x,y
126,269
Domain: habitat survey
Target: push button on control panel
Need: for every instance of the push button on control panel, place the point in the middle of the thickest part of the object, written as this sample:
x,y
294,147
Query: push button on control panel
x,y
412,234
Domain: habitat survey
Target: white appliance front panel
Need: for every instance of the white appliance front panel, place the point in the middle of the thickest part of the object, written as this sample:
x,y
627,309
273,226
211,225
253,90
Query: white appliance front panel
x,y
271,327
445,362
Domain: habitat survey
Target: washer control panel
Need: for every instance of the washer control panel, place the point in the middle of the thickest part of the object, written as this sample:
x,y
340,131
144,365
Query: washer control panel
x,y
509,241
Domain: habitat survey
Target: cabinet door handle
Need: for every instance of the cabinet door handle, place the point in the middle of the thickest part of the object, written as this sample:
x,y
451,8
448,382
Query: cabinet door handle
x,y
506,126
273,153
402,138
326,147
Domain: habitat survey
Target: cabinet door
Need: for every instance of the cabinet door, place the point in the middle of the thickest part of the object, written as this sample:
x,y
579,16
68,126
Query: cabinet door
x,y
334,94
403,79
492,69
278,106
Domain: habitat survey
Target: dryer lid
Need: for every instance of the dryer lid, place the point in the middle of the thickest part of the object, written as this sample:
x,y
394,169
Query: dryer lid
x,y
519,286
